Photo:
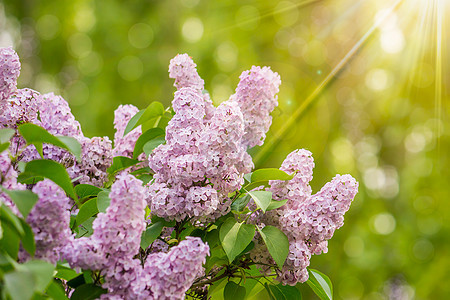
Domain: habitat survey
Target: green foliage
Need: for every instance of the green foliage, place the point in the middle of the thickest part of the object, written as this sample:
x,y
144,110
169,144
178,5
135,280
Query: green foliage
x,y
235,237
86,190
120,163
87,291
151,145
151,234
233,291
103,201
282,292
146,137
320,284
261,198
277,243
37,136
86,211
150,116
269,174
24,200
50,169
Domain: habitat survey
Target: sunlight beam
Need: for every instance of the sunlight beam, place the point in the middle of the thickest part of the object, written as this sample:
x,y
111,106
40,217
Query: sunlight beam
x,y
271,143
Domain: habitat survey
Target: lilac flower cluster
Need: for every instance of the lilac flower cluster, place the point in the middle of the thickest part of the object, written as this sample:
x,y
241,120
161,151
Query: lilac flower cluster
x,y
9,72
171,274
124,145
256,96
309,221
21,107
8,178
115,242
49,219
96,158
116,234
56,117
205,147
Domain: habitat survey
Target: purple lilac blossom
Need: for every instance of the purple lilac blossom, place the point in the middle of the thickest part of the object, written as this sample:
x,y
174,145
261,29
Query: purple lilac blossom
x,y
96,157
309,221
49,219
116,237
171,274
316,219
8,178
21,107
57,118
183,69
9,72
124,145
256,96
196,155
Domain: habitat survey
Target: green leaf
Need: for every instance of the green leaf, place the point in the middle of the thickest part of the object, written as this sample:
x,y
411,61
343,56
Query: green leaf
x,y
151,234
274,204
56,291
283,292
65,273
270,174
24,200
37,135
72,144
155,109
86,190
19,285
42,272
103,201
10,240
240,203
144,138
51,170
28,242
6,134
87,210
320,284
6,215
121,163
4,146
277,243
261,198
88,291
235,237
248,177
233,291
253,185
151,145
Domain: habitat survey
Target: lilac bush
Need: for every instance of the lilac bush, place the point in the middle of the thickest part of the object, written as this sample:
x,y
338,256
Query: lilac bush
x,y
171,207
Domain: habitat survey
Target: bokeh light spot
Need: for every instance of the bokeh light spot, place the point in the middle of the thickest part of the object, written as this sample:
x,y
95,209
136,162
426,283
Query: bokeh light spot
x,y
192,30
226,56
130,68
47,27
80,45
383,223
377,79
91,64
140,35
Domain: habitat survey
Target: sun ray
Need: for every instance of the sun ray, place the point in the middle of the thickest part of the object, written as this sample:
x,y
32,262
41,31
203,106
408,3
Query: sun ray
x,y
438,71
266,15
272,142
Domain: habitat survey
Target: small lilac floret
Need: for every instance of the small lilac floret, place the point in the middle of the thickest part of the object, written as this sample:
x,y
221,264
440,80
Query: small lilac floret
x,y
9,72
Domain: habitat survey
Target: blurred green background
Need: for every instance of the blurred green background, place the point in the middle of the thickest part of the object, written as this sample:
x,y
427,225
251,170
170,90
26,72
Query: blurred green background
x,y
365,88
